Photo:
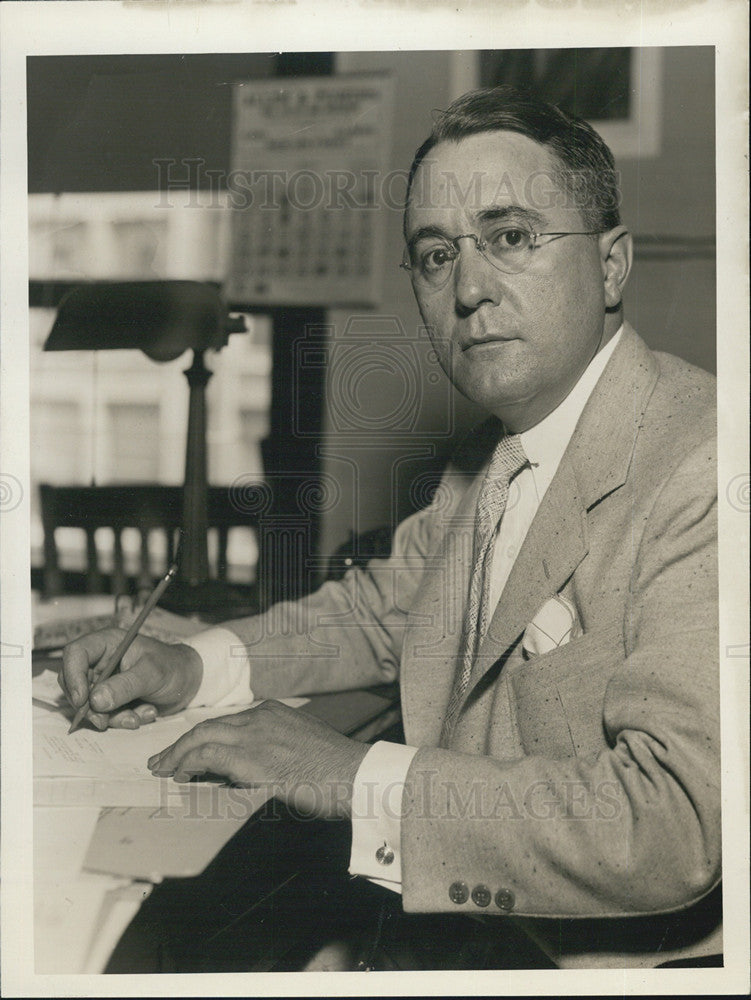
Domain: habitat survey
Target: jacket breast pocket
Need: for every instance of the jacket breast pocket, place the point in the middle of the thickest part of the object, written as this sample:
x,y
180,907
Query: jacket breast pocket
x,y
559,696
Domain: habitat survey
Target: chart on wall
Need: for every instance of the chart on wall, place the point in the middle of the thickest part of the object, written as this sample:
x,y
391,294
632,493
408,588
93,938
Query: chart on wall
x,y
310,189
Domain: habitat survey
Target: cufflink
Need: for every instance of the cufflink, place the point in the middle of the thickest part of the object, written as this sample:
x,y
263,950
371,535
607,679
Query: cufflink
x,y
385,855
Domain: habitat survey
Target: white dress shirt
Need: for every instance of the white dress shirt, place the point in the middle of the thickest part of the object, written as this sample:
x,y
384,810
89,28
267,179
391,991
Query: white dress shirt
x,y
377,792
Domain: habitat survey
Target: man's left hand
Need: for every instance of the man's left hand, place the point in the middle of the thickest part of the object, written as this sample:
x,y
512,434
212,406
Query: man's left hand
x,y
304,762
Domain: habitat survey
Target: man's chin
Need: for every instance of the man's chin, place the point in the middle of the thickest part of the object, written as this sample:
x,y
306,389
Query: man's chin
x,y
501,401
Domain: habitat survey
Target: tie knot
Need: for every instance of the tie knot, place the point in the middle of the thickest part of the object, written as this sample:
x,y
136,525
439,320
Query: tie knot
x,y
508,458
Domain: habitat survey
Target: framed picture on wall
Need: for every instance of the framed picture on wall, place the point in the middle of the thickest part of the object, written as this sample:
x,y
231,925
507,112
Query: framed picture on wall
x,y
617,90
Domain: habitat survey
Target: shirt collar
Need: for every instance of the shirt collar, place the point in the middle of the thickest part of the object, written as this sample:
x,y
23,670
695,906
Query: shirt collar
x,y
545,443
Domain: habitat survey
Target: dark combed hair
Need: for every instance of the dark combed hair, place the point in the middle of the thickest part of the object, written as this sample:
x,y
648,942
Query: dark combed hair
x,y
587,169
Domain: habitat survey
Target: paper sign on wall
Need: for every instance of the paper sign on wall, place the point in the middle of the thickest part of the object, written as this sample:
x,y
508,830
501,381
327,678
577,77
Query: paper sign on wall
x,y
309,190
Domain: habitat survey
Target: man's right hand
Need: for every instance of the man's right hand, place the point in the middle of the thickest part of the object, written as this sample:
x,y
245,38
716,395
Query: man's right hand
x,y
154,678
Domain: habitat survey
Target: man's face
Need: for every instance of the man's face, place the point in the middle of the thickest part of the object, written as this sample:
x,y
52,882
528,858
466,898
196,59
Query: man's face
x,y
514,343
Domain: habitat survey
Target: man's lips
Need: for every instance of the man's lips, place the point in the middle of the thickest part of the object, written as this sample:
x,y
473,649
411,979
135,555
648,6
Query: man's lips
x,y
489,338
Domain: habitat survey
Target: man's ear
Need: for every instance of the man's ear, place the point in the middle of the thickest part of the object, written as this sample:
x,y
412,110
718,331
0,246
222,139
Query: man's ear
x,y
616,256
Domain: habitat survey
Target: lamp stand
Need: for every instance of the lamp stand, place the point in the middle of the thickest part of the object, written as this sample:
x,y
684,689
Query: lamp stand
x,y
194,557
193,591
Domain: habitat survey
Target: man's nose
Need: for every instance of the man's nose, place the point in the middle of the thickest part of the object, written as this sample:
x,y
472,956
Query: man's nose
x,y
475,279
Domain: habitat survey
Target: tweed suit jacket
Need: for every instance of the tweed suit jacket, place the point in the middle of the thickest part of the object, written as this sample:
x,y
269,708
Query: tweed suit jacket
x,y
580,794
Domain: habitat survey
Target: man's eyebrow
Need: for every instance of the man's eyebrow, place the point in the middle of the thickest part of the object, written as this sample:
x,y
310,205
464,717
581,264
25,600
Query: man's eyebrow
x,y
493,213
424,232
500,213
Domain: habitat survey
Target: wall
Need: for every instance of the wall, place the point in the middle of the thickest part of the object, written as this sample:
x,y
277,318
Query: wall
x,y
404,418
375,472
671,298
99,123
668,202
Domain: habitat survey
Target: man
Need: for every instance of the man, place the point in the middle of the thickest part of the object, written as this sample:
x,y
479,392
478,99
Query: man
x,y
551,616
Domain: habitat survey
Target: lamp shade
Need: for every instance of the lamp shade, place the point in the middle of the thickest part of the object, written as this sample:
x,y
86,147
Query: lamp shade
x,y
161,318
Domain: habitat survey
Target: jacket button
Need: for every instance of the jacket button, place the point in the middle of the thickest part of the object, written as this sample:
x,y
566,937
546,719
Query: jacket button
x,y
458,892
481,895
384,855
504,899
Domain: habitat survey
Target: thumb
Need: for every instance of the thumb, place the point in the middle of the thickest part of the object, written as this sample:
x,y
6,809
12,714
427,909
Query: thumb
x,y
139,682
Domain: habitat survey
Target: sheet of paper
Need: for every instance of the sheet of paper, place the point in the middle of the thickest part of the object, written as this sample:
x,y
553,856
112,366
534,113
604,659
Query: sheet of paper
x,y
163,625
45,691
175,840
61,839
66,919
117,911
113,754
69,606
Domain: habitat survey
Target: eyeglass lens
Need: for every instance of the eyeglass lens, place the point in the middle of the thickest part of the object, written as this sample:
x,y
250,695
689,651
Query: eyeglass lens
x,y
505,247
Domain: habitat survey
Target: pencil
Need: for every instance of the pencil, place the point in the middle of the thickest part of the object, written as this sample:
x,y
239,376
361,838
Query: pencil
x,y
128,638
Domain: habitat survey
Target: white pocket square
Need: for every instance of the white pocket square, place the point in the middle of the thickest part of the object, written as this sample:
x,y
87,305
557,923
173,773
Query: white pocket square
x,y
555,624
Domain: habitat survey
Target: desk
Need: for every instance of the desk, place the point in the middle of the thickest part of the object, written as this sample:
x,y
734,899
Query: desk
x,y
84,900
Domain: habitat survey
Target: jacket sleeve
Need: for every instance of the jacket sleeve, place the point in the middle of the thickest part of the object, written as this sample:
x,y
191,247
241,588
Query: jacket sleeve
x,y
633,829
348,634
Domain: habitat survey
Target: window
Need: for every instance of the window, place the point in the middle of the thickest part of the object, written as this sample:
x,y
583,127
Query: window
x,y
116,416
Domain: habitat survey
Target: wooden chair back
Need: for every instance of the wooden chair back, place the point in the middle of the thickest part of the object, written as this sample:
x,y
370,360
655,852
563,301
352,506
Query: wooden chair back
x,y
145,507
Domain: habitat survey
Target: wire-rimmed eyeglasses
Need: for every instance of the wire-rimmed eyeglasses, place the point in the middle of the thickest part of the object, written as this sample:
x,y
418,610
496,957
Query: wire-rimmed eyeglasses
x,y
507,248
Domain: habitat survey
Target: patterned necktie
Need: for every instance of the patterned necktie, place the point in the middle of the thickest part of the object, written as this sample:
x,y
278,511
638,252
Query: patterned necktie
x,y
508,459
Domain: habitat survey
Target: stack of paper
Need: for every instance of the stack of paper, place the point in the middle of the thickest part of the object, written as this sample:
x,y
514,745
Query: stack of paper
x,y
105,827
105,769
72,908
52,632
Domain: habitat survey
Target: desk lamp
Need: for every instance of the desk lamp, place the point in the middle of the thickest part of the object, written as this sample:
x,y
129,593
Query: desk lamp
x,y
163,319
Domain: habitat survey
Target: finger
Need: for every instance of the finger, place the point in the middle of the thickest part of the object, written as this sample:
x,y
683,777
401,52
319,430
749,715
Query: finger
x,y
216,758
238,718
140,681
79,657
124,719
146,713
165,762
154,760
269,708
255,713
61,683
133,717
212,731
99,720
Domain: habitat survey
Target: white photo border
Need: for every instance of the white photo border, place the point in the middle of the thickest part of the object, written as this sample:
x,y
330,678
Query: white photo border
x,y
100,26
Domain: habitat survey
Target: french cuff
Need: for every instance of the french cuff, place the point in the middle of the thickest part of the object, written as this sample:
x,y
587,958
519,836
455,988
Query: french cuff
x,y
226,669
377,814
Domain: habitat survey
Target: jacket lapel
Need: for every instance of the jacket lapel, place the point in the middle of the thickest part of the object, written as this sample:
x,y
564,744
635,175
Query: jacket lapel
x,y
434,625
555,545
432,640
595,463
